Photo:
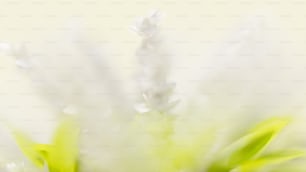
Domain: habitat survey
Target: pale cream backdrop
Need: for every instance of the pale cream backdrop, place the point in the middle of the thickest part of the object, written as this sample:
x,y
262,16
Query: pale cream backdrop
x,y
195,29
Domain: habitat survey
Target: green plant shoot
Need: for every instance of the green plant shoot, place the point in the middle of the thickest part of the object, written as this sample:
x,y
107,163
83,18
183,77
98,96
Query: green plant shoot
x,y
61,155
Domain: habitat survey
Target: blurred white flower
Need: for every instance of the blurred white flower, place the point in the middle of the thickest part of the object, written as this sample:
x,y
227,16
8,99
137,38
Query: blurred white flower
x,y
155,87
148,26
76,81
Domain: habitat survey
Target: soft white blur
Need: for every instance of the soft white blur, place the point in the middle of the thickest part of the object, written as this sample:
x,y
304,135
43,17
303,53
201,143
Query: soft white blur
x,y
229,57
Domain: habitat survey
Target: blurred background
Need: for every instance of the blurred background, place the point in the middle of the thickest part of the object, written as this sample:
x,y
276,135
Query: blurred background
x,y
238,56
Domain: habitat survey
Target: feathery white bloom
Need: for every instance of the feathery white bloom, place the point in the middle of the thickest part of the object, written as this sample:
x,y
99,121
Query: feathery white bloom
x,y
75,78
156,89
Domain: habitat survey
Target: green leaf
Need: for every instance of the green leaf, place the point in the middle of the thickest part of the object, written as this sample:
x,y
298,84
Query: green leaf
x,y
269,159
28,147
61,155
250,145
256,141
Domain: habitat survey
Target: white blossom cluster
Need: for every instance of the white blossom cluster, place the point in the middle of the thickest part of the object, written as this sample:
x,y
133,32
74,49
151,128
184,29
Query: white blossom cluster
x,y
155,87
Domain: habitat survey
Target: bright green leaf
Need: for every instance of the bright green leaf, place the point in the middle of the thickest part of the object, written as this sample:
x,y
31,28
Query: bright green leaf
x,y
250,145
61,155
28,147
268,159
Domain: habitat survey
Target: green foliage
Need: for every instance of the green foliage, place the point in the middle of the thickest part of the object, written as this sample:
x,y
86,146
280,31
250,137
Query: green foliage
x,y
61,155
271,158
246,154
249,153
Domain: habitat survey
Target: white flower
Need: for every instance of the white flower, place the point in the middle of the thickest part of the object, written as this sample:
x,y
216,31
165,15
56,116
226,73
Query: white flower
x,y
155,87
147,26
